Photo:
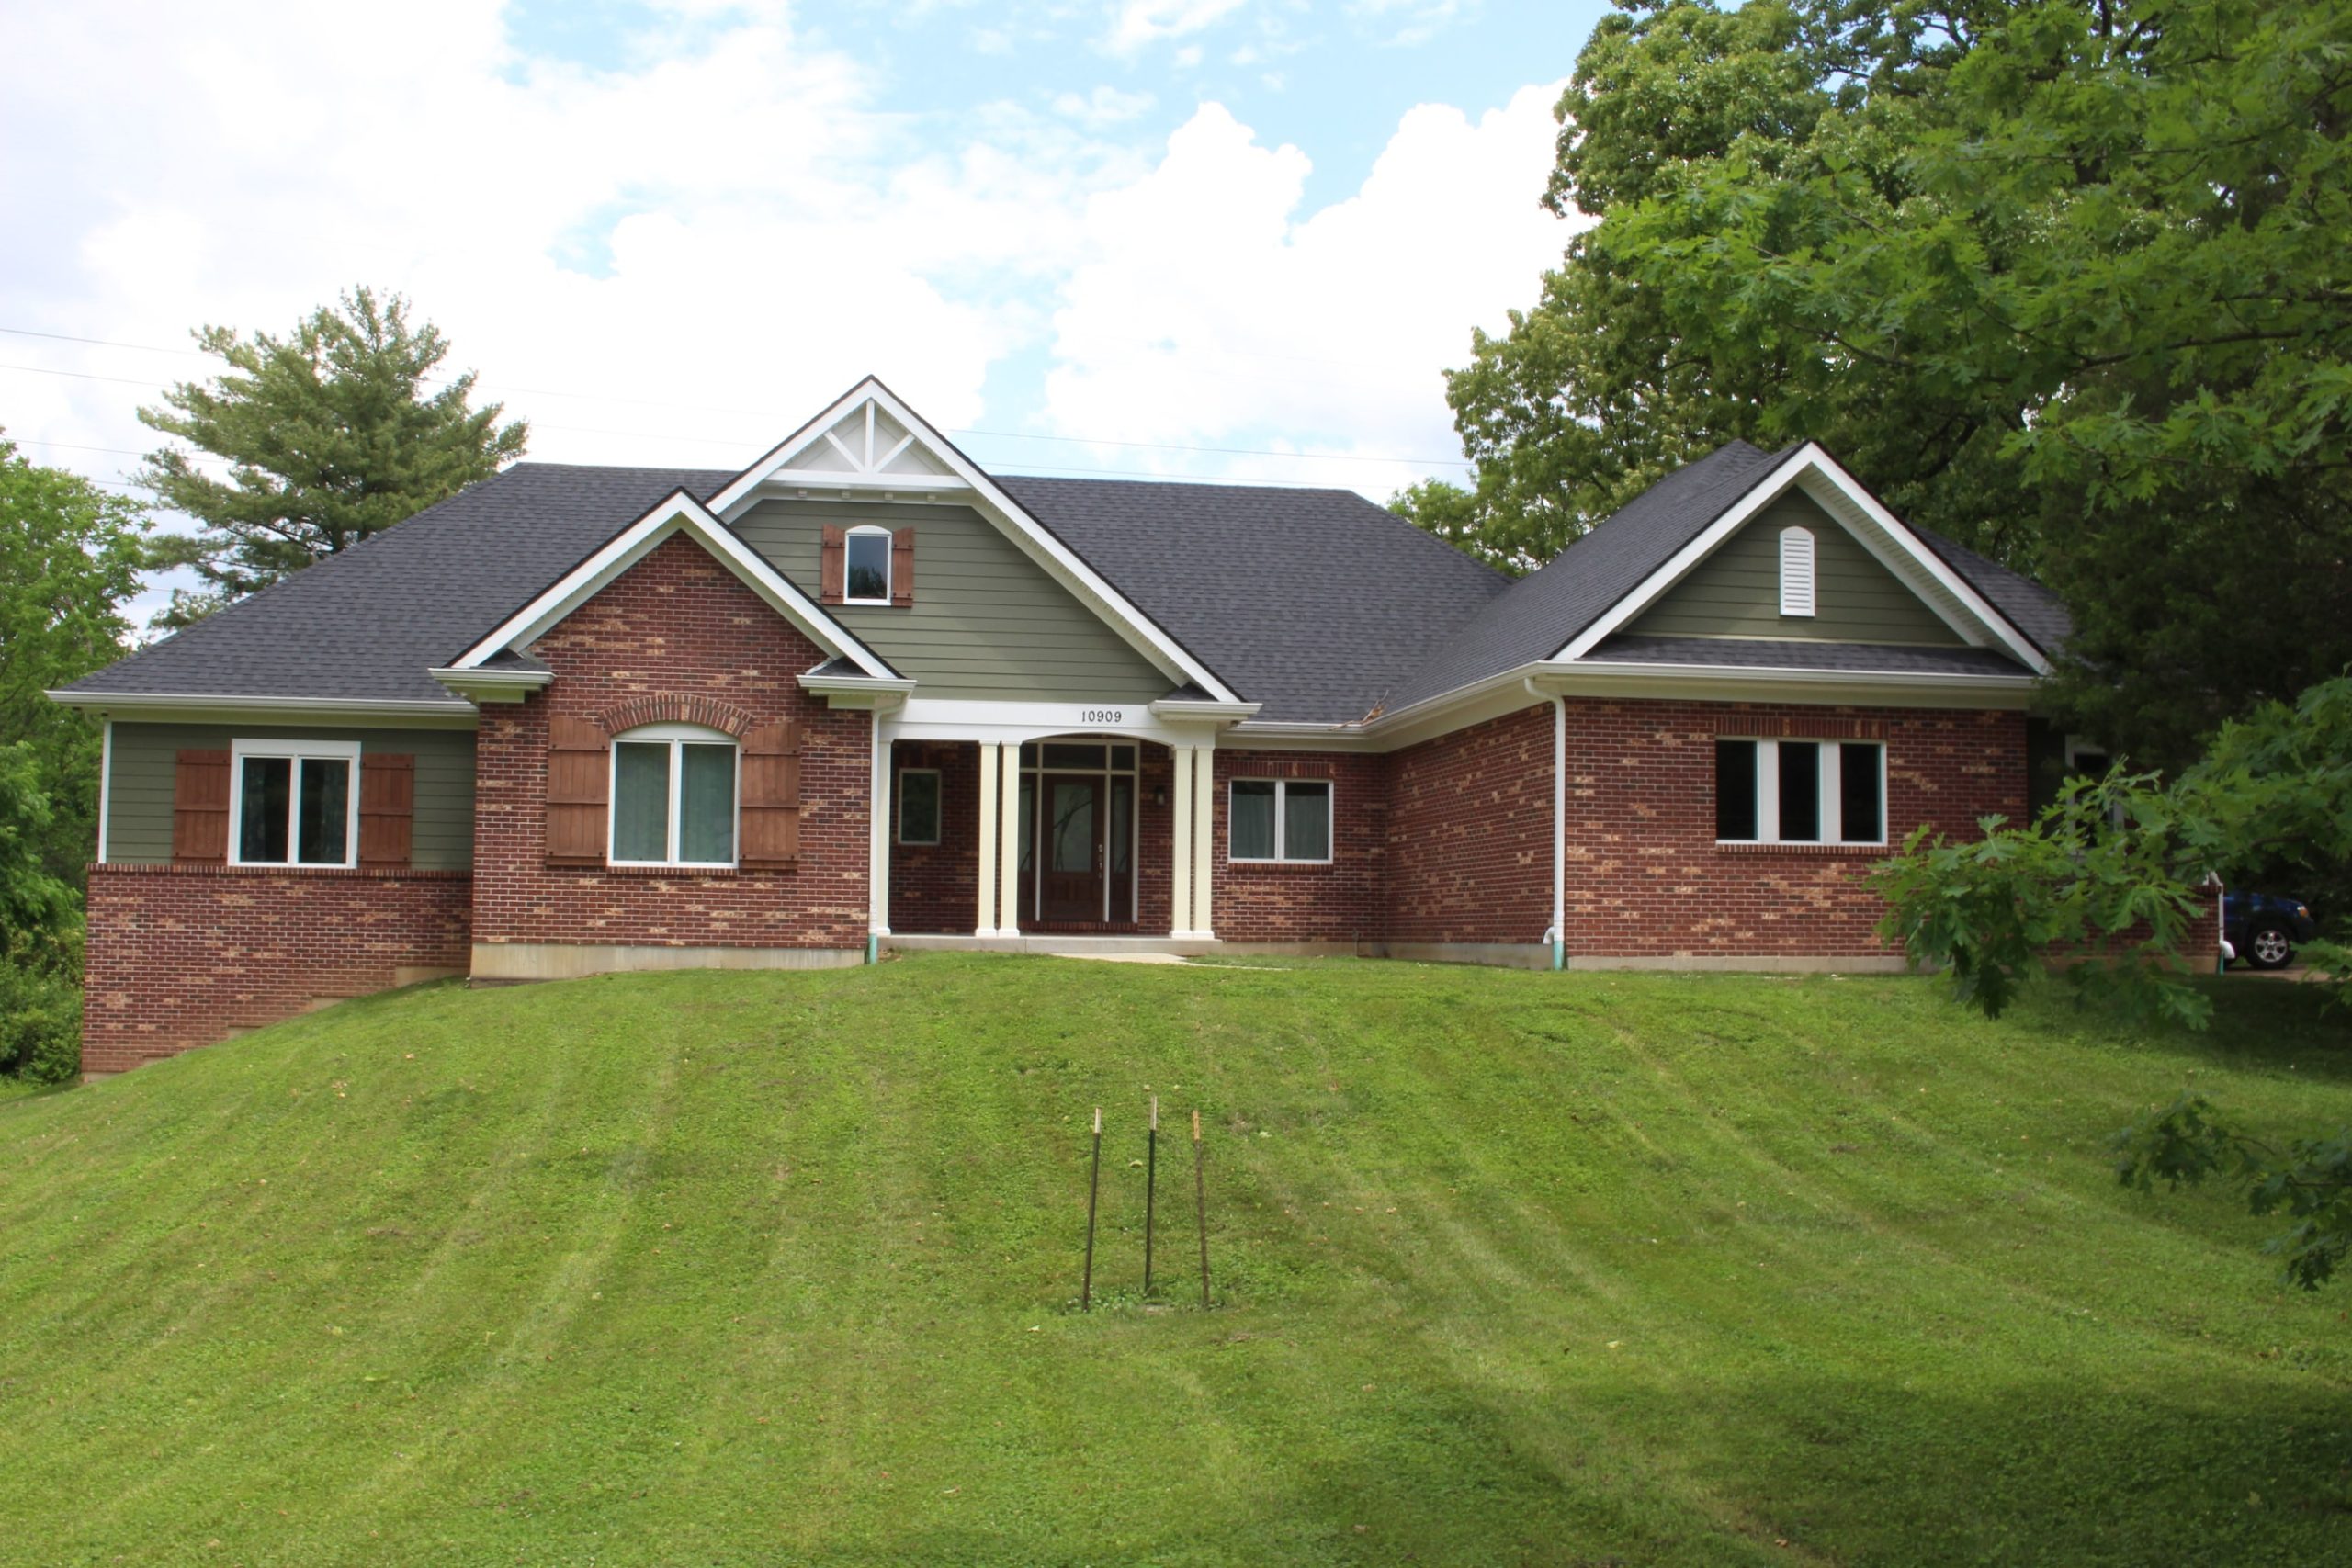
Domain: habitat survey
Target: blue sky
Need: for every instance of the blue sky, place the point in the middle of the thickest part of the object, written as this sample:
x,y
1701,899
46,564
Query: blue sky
x,y
1219,239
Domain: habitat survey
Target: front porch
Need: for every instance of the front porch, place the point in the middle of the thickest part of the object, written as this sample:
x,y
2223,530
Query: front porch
x,y
1029,844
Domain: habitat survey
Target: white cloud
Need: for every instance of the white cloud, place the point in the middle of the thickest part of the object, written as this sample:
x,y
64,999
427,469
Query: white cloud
x,y
1105,106
677,260
1212,307
1140,23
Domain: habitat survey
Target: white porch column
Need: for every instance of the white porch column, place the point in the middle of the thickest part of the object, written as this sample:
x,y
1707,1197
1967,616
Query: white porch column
x,y
1203,837
1009,841
984,922
1179,903
878,863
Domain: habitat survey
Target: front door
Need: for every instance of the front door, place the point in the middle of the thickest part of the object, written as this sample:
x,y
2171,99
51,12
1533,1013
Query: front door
x,y
1071,890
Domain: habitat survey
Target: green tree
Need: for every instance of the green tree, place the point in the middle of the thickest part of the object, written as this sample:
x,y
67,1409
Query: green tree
x,y
69,560
2115,877
330,434
2067,280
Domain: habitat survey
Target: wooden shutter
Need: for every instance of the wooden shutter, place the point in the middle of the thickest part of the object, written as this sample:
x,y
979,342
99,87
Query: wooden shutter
x,y
387,807
832,571
579,776
771,808
902,566
200,808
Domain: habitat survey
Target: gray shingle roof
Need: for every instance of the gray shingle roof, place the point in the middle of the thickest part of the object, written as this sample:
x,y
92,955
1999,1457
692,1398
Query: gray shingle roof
x,y
1314,603
1543,610
367,624
1760,653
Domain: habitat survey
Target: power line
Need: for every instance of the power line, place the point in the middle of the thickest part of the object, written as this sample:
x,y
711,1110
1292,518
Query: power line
x,y
511,390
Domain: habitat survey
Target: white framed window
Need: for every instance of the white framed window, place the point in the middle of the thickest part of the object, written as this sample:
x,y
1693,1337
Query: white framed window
x,y
1279,820
919,805
1796,571
1800,792
294,803
865,566
674,793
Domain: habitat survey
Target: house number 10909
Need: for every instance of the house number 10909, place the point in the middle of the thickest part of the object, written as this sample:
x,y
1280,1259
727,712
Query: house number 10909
x,y
1102,715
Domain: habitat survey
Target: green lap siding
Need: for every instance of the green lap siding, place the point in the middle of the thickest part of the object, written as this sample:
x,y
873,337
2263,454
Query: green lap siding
x,y
144,758
1737,591
986,622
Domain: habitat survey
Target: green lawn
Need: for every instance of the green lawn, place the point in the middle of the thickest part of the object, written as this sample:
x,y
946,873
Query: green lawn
x,y
1579,1268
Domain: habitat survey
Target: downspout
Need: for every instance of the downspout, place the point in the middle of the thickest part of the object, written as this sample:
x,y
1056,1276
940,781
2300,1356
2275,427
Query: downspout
x,y
1558,934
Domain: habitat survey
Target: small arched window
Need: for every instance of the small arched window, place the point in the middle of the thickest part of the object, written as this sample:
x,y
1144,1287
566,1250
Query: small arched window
x,y
1796,571
866,577
673,797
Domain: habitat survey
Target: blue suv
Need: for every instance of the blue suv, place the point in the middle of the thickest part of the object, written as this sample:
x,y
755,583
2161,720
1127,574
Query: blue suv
x,y
2263,929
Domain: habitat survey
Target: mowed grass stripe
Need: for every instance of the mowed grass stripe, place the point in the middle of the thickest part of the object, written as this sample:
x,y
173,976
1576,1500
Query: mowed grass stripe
x,y
780,1267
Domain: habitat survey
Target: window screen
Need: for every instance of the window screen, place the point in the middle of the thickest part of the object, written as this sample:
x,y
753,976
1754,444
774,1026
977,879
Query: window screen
x,y
1251,834
1800,792
869,566
1736,819
1861,809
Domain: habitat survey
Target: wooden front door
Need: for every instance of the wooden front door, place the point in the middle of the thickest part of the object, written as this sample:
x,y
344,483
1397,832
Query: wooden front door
x,y
1072,867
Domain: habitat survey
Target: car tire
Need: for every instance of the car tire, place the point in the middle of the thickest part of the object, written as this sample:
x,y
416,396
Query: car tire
x,y
2269,945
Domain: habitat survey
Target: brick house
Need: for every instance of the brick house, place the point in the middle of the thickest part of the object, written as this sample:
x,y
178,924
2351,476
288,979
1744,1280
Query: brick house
x,y
862,695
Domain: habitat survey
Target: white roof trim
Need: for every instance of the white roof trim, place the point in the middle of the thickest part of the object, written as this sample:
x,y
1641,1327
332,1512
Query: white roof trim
x,y
1065,565
679,512
452,711
1886,538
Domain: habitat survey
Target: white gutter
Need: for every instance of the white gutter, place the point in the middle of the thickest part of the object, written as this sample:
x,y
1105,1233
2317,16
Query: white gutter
x,y
140,705
1558,935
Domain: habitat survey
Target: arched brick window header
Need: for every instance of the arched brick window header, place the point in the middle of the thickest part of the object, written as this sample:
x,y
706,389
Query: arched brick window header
x,y
708,712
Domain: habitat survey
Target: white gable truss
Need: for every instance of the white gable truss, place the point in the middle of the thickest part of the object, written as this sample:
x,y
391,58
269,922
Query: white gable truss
x,y
869,446
678,512
1886,536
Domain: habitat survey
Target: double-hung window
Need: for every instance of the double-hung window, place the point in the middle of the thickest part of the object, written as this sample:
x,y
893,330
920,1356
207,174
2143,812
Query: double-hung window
x,y
1800,792
1279,819
673,797
867,567
294,802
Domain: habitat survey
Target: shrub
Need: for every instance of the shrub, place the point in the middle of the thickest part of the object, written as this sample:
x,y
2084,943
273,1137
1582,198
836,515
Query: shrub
x,y
41,1008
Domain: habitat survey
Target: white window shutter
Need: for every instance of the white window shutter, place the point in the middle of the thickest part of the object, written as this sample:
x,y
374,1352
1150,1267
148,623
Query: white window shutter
x,y
1796,571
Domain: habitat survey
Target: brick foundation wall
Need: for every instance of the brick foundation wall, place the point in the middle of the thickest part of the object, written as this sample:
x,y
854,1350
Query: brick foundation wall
x,y
182,956
1255,901
1470,834
677,626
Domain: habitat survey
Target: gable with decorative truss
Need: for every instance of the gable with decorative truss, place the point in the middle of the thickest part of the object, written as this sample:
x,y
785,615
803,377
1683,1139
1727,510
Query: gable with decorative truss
x,y
871,454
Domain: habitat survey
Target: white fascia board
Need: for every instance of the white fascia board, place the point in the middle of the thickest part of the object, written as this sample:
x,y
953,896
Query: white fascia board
x,y
863,691
1182,710
1827,472
678,512
1750,684
1063,564
493,685
224,709
1825,482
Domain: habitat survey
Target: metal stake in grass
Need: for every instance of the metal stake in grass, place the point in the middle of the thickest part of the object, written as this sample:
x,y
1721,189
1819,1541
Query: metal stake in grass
x,y
1094,1186
1150,1182
1201,1206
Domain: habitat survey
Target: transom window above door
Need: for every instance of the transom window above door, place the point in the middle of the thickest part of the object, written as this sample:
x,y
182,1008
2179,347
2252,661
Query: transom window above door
x,y
673,797
294,803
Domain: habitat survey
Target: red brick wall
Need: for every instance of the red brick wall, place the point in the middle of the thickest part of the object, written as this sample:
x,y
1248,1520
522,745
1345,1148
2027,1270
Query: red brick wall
x,y
1646,879
1291,902
1470,834
676,624
181,956
937,887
